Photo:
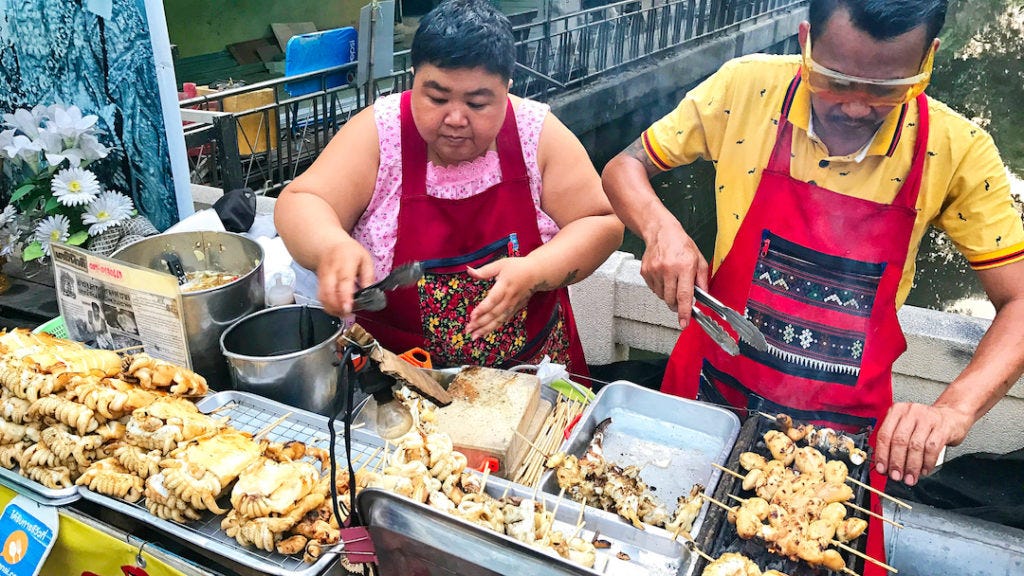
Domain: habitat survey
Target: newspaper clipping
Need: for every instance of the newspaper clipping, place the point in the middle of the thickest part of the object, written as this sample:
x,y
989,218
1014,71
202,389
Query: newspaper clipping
x,y
112,304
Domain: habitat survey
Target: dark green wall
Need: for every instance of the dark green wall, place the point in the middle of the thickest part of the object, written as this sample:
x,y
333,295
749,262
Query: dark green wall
x,y
202,26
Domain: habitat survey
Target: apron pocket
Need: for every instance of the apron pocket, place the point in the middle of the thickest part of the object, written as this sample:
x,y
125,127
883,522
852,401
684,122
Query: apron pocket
x,y
448,294
552,341
814,310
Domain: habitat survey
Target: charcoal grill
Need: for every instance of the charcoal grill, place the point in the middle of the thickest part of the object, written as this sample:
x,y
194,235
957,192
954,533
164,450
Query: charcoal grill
x,y
719,536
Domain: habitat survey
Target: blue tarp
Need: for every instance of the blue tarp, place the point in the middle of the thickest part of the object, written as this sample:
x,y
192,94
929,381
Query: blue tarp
x,y
318,51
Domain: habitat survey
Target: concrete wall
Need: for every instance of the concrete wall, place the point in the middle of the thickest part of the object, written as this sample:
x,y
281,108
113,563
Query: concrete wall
x,y
615,310
608,100
202,27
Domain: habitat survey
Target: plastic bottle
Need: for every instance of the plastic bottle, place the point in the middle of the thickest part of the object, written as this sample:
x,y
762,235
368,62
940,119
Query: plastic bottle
x,y
281,291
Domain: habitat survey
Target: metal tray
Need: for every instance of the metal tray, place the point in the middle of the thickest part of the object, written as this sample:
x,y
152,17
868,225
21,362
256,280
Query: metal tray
x,y
415,538
673,440
38,492
249,413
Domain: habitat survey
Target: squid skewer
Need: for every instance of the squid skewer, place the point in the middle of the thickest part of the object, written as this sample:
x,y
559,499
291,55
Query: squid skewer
x,y
845,503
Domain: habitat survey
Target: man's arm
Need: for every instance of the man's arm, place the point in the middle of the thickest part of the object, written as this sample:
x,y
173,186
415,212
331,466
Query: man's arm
x,y
671,263
912,435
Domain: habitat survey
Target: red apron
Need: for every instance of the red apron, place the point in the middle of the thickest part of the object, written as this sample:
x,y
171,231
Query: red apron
x,y
449,235
817,271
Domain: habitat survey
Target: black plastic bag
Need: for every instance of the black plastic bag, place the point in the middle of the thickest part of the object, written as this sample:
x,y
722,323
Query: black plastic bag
x,y
237,209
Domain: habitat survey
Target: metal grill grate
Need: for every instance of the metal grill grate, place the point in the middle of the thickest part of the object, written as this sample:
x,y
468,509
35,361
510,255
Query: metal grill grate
x,y
249,413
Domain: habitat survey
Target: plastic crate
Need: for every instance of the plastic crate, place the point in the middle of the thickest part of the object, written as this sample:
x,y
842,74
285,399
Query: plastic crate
x,y
56,327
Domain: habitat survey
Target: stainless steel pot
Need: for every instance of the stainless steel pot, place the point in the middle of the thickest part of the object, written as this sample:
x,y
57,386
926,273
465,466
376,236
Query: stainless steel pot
x,y
287,354
208,313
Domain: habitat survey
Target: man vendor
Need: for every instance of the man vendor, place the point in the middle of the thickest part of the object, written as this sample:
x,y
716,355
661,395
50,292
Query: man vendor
x,y
831,165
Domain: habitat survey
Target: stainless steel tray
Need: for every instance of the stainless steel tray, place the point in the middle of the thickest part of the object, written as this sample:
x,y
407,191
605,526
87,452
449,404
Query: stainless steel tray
x,y
250,413
36,491
415,538
673,440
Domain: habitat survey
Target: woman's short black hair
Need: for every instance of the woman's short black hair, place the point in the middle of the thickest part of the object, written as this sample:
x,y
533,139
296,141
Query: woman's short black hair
x,y
465,34
882,19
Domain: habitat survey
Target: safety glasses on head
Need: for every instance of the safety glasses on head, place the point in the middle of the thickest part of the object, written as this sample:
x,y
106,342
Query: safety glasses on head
x,y
841,87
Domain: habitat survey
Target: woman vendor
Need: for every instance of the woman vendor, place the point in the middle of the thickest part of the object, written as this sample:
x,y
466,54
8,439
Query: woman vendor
x,y
493,194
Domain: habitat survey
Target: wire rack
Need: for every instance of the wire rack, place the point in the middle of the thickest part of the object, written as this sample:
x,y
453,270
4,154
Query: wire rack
x,y
250,413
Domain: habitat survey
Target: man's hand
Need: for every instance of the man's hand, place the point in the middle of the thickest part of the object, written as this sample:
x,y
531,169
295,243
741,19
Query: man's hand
x,y
913,435
340,269
515,281
671,265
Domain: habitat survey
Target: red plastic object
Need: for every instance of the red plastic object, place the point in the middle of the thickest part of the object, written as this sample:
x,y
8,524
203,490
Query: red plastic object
x,y
568,429
489,463
417,357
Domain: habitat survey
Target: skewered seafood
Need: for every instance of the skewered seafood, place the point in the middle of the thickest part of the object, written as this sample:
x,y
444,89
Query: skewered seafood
x,y
11,432
20,342
109,477
110,397
28,384
151,373
140,462
14,409
200,471
57,477
166,422
74,361
825,439
602,484
75,415
67,446
267,487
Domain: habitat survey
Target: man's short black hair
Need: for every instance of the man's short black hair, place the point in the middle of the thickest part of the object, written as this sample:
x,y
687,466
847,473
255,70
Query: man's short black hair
x,y
882,19
465,34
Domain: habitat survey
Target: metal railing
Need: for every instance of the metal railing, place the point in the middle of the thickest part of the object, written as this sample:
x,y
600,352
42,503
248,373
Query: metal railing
x,y
263,136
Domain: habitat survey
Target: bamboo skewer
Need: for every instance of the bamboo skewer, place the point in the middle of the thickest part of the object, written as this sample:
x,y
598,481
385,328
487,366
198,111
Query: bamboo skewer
x,y
846,570
860,554
728,471
712,500
271,426
531,444
554,511
867,487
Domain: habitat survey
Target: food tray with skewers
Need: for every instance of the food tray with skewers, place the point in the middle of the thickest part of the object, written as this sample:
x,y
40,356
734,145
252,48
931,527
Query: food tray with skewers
x,y
278,423
409,535
669,442
761,437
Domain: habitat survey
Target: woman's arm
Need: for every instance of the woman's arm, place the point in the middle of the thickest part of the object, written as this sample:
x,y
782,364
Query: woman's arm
x,y
316,212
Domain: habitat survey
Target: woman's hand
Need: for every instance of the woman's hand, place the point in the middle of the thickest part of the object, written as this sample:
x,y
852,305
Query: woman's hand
x,y
515,281
340,269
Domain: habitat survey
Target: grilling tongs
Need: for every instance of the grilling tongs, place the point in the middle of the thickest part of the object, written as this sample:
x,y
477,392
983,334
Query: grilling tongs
x,y
373,299
743,327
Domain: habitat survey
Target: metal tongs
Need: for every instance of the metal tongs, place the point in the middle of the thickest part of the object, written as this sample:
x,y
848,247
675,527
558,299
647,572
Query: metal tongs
x,y
743,327
373,297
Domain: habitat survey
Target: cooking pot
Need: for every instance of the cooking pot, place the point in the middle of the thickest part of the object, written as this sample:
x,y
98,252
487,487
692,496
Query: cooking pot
x,y
207,313
287,354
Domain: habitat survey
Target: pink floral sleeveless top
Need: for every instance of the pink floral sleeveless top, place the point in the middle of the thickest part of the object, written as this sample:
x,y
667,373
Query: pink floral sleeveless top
x,y
377,229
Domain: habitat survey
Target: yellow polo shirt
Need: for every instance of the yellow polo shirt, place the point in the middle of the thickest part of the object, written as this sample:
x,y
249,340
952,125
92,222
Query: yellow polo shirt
x,y
732,117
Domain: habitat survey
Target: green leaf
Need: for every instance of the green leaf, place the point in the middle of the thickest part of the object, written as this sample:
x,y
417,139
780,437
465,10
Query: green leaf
x,y
21,192
51,204
78,238
33,251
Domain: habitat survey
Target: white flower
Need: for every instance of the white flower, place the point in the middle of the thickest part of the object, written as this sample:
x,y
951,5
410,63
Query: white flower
x,y
70,123
91,149
52,229
23,147
26,122
7,216
109,209
75,186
